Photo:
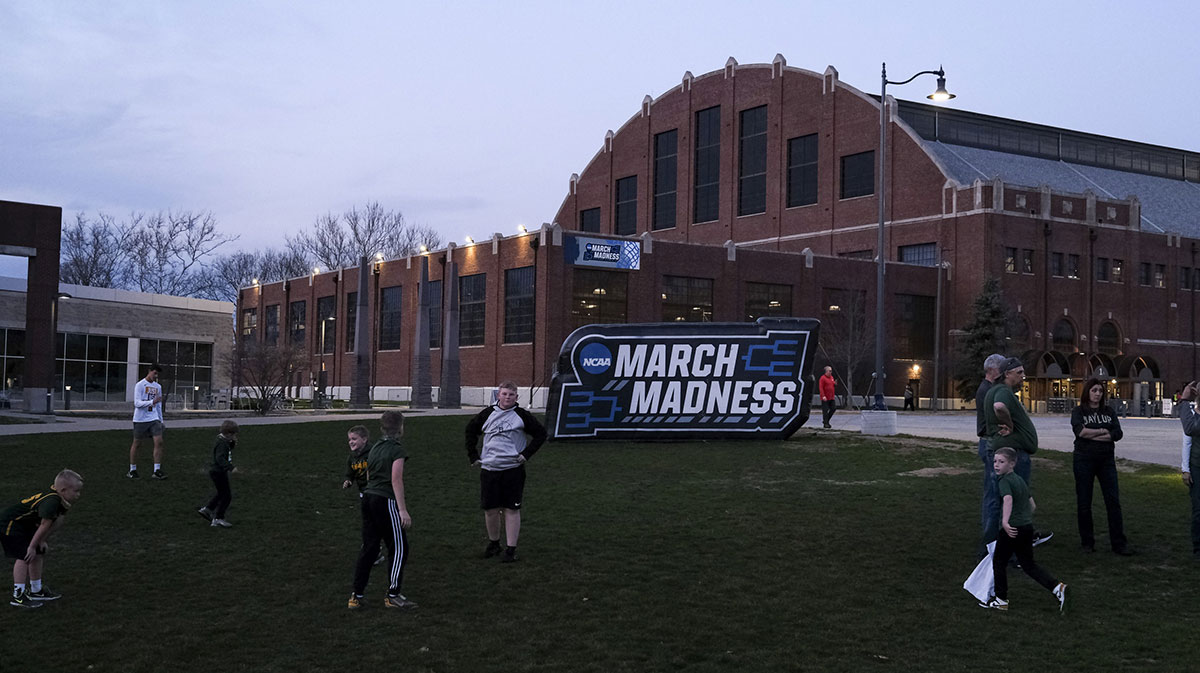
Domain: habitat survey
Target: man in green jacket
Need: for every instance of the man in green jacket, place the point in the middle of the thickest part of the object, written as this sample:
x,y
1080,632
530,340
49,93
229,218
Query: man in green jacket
x,y
1008,425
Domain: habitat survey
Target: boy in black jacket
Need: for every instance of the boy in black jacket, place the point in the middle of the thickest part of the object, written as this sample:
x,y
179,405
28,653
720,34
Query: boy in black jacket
x,y
504,427
219,471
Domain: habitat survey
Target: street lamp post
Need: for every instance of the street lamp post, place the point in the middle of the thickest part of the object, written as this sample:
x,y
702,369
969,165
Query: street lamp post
x,y
940,94
321,378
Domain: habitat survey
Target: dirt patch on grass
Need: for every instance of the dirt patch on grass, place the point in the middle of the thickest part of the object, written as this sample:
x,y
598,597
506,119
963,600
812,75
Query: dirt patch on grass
x,y
935,472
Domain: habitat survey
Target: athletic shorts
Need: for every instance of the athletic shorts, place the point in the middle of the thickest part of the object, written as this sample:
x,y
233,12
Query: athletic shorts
x,y
147,430
15,546
503,488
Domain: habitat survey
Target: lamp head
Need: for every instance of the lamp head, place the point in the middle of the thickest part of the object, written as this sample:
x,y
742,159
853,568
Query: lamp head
x,y
940,94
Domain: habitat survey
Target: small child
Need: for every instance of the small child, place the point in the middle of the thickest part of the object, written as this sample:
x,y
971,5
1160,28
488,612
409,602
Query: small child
x,y
356,464
219,471
1016,522
24,528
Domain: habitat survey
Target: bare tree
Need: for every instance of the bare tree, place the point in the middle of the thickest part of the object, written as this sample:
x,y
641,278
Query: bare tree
x,y
340,241
167,251
93,251
262,369
848,338
230,273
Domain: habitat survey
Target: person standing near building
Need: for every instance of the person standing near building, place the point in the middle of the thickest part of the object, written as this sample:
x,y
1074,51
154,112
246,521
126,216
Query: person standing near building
x,y
1008,425
909,398
506,447
1097,431
990,509
148,420
827,387
385,514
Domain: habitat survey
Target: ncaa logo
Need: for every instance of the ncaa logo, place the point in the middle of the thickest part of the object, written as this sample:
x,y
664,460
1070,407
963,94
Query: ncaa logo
x,y
595,358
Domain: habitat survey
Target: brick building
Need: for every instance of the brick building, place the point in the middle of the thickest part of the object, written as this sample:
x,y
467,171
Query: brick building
x,y
753,188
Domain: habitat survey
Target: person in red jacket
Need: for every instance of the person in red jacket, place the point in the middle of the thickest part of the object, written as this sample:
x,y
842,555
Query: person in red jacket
x,y
828,398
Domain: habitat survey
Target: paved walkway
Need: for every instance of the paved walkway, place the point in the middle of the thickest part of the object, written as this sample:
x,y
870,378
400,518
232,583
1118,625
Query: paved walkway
x,y
1150,440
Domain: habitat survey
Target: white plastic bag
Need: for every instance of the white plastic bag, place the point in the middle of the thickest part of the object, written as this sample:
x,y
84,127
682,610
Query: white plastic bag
x,y
981,584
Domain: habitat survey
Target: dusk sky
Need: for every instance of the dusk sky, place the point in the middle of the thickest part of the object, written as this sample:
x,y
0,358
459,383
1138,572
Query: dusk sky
x,y
471,117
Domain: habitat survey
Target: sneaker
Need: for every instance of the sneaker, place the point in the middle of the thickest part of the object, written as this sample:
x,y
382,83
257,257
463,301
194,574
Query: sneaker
x,y
132,474
220,523
994,603
510,555
383,556
44,595
493,549
206,513
158,474
1060,592
398,601
22,600
1041,538
355,602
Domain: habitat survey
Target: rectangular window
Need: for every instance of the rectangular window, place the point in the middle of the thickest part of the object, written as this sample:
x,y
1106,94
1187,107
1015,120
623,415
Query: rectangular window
x,y
914,327
472,309
1185,277
767,299
1144,274
924,254
1160,275
626,206
802,171
666,168
707,188
1118,271
752,161
1102,269
1072,266
1056,264
326,330
435,314
249,324
351,320
589,220
1010,260
297,322
598,297
858,174
686,299
858,254
272,325
518,305
391,303
1027,261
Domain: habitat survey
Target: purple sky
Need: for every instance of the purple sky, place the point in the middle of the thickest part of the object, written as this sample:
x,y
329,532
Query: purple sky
x,y
471,117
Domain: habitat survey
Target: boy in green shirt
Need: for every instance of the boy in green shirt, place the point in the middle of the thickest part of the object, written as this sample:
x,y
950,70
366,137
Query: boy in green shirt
x,y
1016,535
24,528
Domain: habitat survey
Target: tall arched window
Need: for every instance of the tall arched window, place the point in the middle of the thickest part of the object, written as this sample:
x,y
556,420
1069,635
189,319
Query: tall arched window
x,y
1062,337
1108,339
1018,336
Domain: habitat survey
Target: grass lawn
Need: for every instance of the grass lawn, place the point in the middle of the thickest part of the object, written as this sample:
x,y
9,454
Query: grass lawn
x,y
826,552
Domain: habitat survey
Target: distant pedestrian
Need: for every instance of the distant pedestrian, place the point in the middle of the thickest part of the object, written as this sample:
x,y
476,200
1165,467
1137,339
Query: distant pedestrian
x,y
1097,431
148,420
910,398
219,470
1016,519
990,509
827,387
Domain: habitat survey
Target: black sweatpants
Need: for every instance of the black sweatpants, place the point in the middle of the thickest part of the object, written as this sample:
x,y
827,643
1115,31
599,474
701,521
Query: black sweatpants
x,y
1022,546
381,523
220,502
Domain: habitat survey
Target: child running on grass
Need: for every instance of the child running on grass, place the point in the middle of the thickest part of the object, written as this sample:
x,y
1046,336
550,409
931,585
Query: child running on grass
x,y
358,438
1016,523
219,471
24,528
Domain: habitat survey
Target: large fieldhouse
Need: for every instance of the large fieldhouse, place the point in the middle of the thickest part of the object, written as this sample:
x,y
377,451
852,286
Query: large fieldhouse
x,y
1149,440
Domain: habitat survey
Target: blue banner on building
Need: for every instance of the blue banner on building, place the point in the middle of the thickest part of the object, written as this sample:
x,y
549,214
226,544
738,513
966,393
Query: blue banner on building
x,y
602,252
684,380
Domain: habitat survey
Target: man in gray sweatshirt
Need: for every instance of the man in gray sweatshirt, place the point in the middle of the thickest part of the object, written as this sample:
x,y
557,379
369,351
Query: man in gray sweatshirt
x,y
511,435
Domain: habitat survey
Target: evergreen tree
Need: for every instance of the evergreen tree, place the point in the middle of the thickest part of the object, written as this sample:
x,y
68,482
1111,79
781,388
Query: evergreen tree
x,y
986,334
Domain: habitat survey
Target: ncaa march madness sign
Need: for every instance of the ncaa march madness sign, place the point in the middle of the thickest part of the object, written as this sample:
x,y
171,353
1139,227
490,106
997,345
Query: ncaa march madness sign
x,y
684,380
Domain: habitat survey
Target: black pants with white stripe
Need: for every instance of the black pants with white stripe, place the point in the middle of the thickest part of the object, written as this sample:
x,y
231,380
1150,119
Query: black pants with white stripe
x,y
381,523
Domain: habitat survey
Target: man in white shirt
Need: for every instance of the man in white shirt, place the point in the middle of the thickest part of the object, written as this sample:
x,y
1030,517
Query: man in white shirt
x,y
147,421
